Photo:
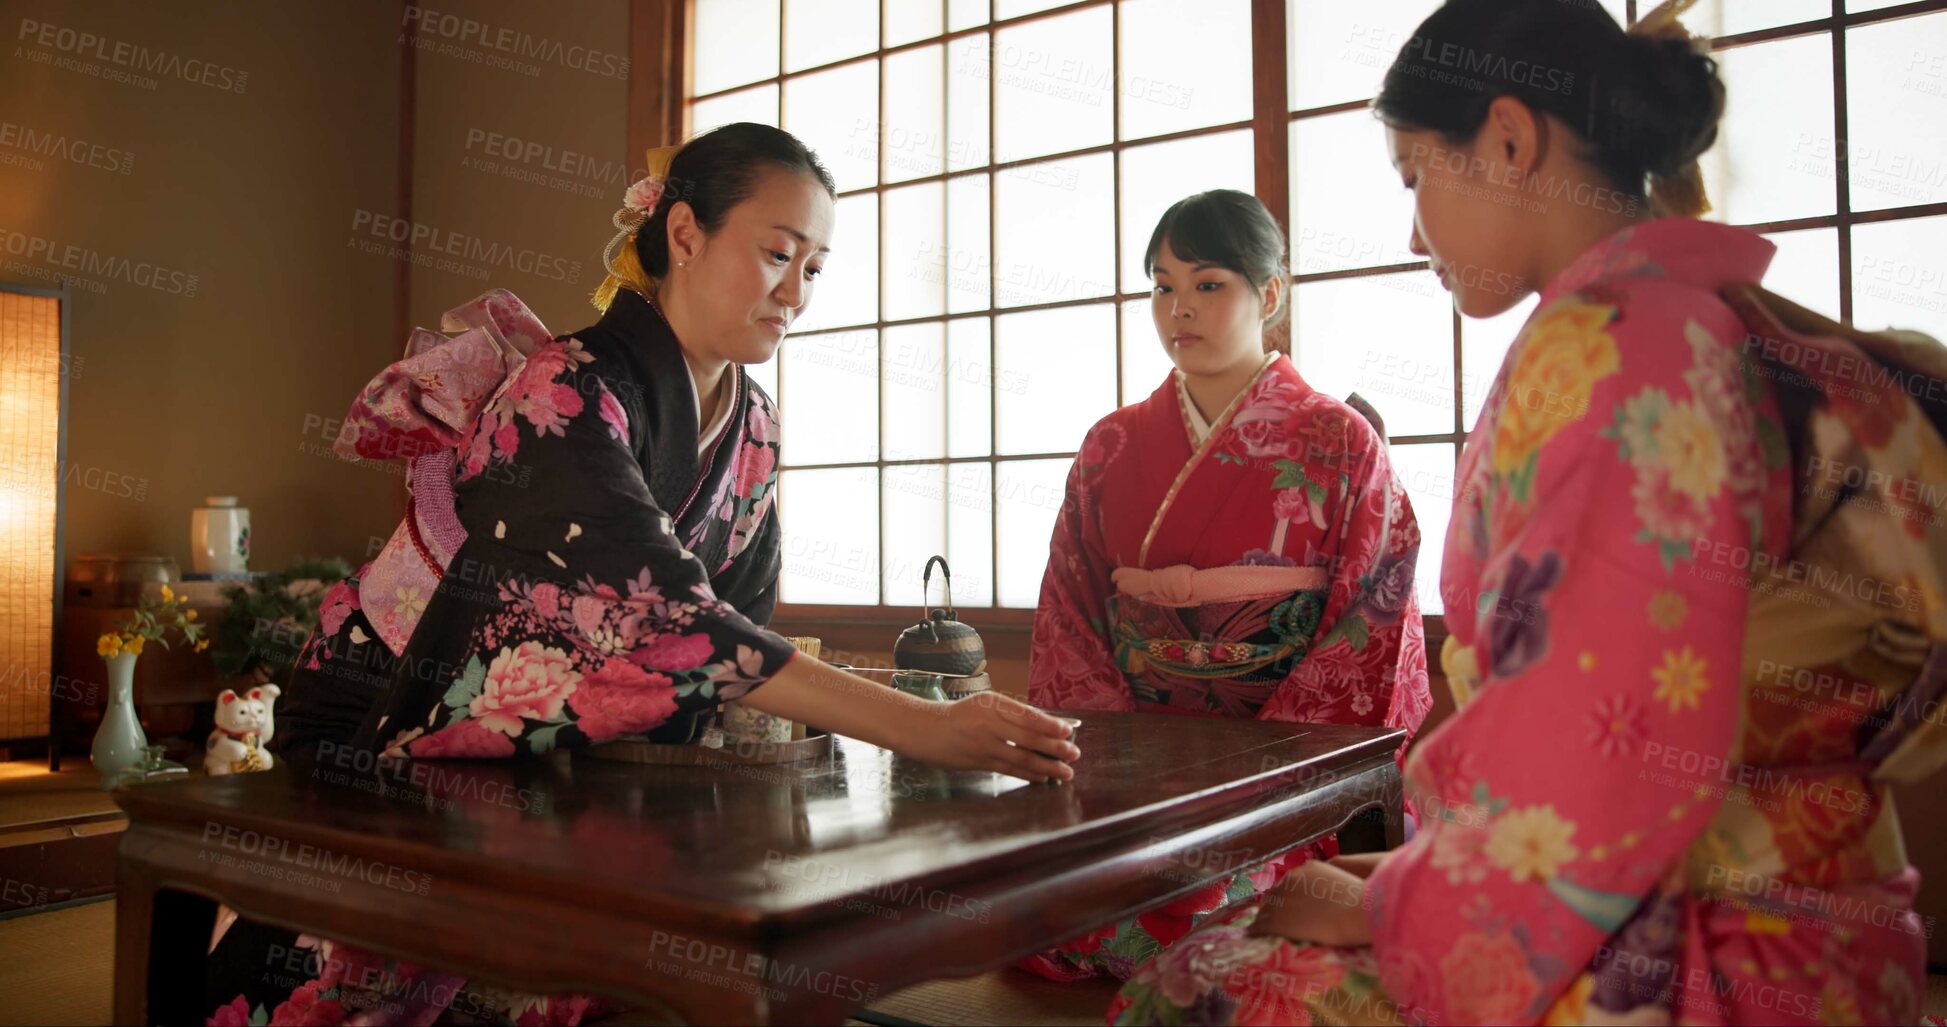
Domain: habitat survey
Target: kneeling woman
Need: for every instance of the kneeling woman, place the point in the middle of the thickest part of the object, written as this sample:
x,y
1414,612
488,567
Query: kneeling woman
x,y
1236,545
1640,813
591,548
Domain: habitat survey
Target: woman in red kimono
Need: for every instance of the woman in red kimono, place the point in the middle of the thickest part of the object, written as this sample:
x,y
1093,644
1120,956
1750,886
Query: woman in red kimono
x,y
1236,545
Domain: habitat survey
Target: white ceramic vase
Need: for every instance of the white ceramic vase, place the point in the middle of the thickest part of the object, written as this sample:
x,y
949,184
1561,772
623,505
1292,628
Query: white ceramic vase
x,y
219,536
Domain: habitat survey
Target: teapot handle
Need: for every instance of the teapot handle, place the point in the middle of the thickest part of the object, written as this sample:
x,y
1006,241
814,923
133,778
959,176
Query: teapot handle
x,y
925,586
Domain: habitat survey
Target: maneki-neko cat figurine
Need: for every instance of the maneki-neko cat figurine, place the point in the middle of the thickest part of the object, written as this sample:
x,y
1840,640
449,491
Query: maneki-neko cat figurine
x,y
240,743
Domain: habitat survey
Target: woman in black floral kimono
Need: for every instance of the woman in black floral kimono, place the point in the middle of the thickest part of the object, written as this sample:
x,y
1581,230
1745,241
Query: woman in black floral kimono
x,y
591,547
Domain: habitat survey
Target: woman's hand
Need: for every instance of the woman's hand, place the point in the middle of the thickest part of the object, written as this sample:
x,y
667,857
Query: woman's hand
x,y
1317,902
990,731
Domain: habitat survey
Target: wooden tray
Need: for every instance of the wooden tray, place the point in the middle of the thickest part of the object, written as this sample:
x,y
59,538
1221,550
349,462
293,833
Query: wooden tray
x,y
694,755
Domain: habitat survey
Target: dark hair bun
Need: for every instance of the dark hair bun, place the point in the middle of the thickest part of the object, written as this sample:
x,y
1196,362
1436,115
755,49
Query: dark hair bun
x,y
1648,104
1666,104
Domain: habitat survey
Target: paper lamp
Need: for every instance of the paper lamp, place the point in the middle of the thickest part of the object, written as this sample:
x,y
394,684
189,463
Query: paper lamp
x,y
33,409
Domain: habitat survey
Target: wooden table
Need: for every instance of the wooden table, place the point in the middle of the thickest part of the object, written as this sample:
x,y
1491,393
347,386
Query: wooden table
x,y
794,893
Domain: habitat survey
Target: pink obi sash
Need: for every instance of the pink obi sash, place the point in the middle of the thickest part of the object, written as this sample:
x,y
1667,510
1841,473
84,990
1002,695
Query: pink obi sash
x,y
419,410
1184,585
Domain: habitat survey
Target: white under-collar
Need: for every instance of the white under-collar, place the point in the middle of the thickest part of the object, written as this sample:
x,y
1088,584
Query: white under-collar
x,y
1199,428
707,435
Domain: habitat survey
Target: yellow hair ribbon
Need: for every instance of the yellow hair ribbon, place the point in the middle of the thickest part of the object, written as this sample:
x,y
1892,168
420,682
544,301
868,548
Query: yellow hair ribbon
x,y
625,270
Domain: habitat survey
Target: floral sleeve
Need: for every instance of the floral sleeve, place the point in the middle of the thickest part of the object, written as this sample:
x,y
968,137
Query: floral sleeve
x,y
1365,657
1607,645
1069,665
572,613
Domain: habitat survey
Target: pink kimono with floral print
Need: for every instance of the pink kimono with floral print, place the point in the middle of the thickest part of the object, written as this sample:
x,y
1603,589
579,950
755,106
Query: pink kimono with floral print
x,y
1697,588
1265,571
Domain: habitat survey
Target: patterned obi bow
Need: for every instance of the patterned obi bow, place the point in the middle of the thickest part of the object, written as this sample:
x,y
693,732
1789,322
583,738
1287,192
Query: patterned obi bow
x,y
419,410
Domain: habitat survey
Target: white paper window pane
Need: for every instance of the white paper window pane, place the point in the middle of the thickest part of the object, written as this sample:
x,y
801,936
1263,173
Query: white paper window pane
x,y
963,14
758,104
1145,364
1896,88
1014,8
736,42
1153,178
1339,50
915,130
1348,208
915,372
970,532
1897,276
1729,17
1185,64
829,522
971,388
969,258
908,20
967,103
848,290
1427,471
834,398
916,505
765,375
1484,345
822,31
915,257
1056,231
1387,337
833,112
1773,158
1806,269
1872,5
1053,83
1030,494
1057,369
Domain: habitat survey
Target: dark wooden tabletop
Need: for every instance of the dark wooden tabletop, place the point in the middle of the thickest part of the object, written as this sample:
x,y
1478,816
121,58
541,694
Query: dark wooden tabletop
x,y
781,851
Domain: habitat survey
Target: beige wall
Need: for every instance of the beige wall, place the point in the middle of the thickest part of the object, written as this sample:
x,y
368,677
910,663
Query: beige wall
x,y
184,390
273,193
529,166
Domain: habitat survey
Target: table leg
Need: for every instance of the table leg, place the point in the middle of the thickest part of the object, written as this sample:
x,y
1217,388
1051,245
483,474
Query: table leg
x,y
1380,828
162,942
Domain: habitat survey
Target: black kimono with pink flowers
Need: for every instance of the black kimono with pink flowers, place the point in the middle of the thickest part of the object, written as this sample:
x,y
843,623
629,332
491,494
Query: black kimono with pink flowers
x,y
610,581
600,579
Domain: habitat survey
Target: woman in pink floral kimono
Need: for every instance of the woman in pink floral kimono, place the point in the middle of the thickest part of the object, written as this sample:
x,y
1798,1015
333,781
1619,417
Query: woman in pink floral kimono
x,y
1236,545
591,546
1699,618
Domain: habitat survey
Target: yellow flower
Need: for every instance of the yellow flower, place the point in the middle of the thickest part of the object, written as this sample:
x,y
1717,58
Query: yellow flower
x,y
202,644
1681,681
134,645
109,645
1668,610
190,615
1565,350
1571,1007
1531,842
168,596
1688,447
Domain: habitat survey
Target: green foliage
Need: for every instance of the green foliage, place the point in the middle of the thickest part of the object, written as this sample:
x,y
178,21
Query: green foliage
x,y
267,622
